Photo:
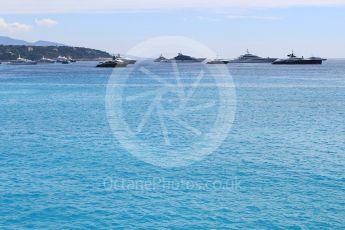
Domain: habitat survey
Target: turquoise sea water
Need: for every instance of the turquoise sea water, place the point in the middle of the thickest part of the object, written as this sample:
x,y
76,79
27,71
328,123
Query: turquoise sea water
x,y
280,167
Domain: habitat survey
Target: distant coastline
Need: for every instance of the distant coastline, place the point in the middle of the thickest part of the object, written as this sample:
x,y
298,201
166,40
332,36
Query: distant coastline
x,y
12,52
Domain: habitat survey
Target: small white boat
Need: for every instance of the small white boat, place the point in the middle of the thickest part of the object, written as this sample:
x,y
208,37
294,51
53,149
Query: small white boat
x,y
45,60
71,60
62,59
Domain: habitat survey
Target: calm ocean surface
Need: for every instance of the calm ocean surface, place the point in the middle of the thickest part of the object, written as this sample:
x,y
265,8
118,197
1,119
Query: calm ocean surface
x,y
281,166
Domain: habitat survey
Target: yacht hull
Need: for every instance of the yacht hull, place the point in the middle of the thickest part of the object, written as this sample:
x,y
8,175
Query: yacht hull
x,y
196,60
217,62
297,62
265,60
31,63
111,64
46,62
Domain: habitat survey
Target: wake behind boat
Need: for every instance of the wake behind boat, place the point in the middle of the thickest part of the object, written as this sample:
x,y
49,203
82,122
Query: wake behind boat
x,y
251,58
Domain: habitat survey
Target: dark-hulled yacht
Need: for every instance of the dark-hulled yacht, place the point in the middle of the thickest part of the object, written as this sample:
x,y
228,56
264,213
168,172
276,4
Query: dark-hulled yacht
x,y
294,60
114,63
251,58
181,58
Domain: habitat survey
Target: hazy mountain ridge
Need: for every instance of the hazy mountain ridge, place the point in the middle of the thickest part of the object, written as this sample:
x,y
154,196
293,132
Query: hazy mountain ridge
x,y
11,41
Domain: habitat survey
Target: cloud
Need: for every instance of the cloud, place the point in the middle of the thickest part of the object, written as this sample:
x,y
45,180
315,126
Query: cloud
x,y
14,27
67,6
46,22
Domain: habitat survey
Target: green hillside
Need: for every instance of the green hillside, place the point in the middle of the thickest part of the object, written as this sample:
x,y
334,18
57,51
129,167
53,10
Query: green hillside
x,y
10,52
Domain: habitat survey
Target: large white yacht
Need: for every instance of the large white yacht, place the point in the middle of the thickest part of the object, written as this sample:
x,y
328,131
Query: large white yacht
x,y
125,60
251,58
62,59
22,61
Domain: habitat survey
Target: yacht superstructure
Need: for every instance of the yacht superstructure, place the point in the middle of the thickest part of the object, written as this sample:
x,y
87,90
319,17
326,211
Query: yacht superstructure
x,y
251,58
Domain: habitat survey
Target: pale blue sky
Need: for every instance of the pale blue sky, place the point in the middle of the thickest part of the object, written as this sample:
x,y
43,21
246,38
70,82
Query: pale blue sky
x,y
229,31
